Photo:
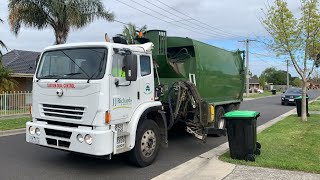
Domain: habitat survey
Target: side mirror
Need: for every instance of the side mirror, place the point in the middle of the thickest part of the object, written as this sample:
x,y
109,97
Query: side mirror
x,y
131,67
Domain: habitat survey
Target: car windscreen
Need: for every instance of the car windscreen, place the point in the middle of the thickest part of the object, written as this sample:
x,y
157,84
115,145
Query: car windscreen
x,y
294,91
79,63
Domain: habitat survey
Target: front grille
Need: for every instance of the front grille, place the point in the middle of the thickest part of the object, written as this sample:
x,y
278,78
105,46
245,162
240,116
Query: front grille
x,y
290,97
58,133
67,112
65,144
52,142
59,143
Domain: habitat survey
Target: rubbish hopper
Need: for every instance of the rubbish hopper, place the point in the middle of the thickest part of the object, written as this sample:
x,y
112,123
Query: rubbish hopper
x,y
274,91
242,134
298,101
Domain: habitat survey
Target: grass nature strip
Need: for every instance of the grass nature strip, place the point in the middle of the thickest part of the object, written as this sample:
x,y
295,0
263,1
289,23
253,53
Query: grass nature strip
x,y
289,144
16,123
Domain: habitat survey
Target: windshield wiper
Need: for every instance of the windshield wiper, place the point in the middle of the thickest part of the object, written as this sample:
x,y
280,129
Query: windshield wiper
x,y
69,74
72,74
100,67
74,63
48,76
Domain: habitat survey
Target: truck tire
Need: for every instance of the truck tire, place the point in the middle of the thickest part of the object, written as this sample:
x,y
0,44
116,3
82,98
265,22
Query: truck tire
x,y
219,122
231,107
237,106
147,144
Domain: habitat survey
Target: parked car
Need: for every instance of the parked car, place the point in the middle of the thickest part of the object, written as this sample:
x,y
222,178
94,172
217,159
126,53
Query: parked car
x,y
288,96
260,91
256,90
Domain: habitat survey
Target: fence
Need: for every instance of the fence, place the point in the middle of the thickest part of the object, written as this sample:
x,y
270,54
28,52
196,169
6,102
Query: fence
x,y
15,103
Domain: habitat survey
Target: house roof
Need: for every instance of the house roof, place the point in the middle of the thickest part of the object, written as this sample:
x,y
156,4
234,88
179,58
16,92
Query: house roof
x,y
20,62
254,81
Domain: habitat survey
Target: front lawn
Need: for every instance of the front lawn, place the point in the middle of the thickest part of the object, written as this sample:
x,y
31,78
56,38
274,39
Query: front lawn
x,y
256,95
16,123
290,144
314,106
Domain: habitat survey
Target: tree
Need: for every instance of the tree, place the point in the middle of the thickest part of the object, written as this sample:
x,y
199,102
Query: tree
x,y
130,32
297,38
296,82
277,77
2,45
60,15
262,82
6,82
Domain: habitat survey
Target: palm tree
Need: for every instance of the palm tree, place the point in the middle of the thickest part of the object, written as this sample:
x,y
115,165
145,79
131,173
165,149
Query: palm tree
x,y
130,32
60,15
6,82
2,45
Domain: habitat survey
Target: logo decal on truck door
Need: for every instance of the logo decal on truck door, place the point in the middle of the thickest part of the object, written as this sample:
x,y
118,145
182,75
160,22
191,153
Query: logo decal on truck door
x,y
147,89
118,103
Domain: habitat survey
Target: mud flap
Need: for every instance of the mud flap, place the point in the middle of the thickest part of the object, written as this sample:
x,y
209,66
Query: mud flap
x,y
212,130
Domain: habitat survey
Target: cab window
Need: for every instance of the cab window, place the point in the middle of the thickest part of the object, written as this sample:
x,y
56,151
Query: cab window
x,y
145,65
118,65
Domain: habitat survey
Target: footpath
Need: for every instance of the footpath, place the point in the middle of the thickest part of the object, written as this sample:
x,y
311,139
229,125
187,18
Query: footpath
x,y
207,166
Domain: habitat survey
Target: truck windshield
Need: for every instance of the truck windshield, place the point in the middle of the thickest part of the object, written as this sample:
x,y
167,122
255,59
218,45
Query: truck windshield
x,y
80,63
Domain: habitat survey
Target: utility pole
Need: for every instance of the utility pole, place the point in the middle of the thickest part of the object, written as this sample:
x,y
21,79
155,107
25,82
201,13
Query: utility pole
x,y
247,41
287,74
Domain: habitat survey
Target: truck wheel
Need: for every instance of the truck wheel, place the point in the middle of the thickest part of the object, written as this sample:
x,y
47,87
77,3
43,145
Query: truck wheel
x,y
237,106
147,144
231,107
219,122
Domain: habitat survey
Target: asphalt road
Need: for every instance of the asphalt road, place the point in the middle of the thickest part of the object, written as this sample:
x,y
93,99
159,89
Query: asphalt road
x,y
19,160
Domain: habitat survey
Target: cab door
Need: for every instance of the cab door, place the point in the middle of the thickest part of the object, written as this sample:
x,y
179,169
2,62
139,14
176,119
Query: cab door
x,y
124,97
146,78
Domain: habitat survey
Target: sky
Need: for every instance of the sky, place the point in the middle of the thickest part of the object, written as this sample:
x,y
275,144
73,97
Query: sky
x,y
216,22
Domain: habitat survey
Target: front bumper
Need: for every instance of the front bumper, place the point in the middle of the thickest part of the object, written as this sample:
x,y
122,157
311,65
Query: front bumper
x,y
287,100
65,138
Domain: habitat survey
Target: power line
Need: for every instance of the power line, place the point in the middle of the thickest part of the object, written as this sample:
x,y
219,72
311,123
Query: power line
x,y
222,31
184,19
164,16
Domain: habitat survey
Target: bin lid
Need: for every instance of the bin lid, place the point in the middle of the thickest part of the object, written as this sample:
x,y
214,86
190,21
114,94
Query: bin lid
x,y
242,114
300,97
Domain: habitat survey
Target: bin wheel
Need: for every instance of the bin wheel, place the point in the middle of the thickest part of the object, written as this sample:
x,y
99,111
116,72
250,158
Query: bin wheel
x,y
257,152
258,145
250,157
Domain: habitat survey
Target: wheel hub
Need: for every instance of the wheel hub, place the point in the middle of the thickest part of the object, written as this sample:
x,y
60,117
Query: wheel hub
x,y
148,143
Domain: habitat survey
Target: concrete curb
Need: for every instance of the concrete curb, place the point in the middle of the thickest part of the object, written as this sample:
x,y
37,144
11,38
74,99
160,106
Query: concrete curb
x,y
207,165
12,132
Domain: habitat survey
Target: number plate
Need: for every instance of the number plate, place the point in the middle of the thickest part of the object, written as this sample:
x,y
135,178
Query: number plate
x,y
291,100
35,140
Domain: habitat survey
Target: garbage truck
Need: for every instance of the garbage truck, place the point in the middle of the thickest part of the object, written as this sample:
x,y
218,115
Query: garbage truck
x,y
106,98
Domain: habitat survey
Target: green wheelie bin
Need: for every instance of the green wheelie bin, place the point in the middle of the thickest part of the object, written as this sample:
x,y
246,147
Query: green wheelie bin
x,y
298,101
242,134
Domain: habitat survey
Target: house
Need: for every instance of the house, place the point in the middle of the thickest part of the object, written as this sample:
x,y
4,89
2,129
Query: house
x,y
22,65
254,84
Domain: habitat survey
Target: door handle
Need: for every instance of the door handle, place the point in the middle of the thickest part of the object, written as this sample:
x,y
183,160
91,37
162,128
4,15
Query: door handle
x,y
138,95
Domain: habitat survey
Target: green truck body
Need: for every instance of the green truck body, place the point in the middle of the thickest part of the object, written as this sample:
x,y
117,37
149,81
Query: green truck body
x,y
218,74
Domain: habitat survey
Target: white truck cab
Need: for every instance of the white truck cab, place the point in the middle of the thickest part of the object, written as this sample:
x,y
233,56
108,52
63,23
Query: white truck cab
x,y
97,99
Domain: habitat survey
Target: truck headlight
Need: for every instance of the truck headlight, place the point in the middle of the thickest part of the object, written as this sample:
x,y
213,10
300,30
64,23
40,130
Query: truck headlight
x,y
32,130
37,131
88,139
80,138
